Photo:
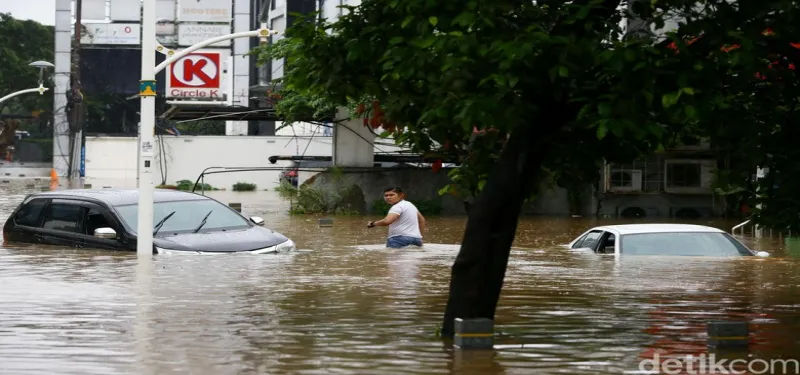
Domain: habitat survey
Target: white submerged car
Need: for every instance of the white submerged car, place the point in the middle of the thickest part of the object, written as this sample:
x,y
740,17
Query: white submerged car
x,y
662,240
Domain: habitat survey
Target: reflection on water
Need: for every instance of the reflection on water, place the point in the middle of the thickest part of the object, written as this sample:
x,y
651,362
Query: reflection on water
x,y
348,305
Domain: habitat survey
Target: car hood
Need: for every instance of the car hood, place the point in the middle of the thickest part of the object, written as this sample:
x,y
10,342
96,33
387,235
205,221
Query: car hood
x,y
253,238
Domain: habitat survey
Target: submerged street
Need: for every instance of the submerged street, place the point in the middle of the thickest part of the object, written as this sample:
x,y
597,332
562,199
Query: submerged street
x,y
345,304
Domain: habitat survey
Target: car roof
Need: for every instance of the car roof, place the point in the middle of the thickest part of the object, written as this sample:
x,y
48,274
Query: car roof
x,y
120,197
624,229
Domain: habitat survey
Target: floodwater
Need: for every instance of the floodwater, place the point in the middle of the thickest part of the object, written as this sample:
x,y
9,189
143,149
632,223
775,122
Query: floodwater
x,y
346,305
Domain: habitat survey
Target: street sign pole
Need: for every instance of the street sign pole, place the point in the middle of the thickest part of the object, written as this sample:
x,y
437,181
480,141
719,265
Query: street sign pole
x,y
147,92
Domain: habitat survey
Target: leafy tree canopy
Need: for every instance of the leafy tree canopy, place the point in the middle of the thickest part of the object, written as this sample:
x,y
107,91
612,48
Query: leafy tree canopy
x,y
551,84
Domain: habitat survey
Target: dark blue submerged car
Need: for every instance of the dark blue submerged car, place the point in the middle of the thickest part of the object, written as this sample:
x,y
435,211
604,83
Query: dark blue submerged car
x,y
107,219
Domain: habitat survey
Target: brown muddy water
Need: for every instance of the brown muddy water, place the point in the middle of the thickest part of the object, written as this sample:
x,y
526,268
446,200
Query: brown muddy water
x,y
346,305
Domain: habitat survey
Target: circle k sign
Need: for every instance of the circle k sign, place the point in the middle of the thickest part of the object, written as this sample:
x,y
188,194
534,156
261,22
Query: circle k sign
x,y
196,75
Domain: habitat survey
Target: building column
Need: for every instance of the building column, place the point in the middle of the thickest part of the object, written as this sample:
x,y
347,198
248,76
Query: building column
x,y
353,143
61,77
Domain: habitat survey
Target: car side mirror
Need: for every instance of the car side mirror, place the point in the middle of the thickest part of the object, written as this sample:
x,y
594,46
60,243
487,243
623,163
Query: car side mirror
x,y
107,233
762,254
257,220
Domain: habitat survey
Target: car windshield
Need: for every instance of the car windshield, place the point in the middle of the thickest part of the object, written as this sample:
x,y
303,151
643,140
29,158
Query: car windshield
x,y
682,244
188,216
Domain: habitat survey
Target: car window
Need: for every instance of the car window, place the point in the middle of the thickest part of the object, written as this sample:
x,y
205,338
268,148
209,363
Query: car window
x,y
64,217
94,220
590,240
29,214
188,215
579,241
682,244
608,243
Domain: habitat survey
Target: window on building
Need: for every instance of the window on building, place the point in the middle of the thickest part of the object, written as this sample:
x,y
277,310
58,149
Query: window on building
x,y
684,175
621,179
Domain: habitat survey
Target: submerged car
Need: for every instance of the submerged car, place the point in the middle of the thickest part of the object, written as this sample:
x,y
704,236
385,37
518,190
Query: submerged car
x,y
107,219
662,240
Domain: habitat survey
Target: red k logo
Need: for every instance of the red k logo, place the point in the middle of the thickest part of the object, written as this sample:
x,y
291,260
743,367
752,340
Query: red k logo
x,y
196,70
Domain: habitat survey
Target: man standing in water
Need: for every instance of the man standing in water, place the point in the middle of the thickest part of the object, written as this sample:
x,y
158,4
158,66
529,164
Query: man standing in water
x,y
405,222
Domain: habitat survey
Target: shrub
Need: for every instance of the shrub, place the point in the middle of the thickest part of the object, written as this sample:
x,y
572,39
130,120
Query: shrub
x,y
187,186
244,186
427,207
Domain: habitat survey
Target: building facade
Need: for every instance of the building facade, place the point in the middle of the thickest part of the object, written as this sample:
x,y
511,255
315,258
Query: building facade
x,y
220,82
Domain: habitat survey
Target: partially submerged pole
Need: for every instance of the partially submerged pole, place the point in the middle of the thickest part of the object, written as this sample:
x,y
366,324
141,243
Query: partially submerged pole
x,y
147,93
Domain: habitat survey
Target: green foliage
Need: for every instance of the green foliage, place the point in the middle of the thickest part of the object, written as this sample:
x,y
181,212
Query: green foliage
x,y
470,71
21,43
310,201
244,186
379,206
461,78
286,191
307,200
426,206
187,185
202,127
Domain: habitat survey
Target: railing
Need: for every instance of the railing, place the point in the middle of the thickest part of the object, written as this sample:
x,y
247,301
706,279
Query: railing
x,y
740,225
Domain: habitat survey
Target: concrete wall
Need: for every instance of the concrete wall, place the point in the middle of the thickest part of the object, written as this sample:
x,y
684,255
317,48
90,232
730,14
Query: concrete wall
x,y
425,184
660,204
111,161
353,143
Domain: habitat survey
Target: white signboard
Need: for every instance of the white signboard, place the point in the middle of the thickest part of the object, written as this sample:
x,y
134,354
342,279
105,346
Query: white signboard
x,y
125,10
91,9
165,9
189,34
205,10
111,33
198,75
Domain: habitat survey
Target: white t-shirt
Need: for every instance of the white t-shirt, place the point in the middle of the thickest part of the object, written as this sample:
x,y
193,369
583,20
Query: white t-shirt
x,y
407,224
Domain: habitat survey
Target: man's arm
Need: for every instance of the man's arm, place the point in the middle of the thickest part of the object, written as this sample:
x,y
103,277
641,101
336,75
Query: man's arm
x,y
422,223
388,220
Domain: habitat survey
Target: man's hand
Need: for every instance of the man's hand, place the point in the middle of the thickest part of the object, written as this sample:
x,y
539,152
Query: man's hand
x,y
371,224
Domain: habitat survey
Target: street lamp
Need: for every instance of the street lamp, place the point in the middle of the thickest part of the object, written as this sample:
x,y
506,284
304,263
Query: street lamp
x,y
42,65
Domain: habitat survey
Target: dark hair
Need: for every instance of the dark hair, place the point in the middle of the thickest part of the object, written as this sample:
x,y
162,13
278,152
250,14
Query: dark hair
x,y
395,189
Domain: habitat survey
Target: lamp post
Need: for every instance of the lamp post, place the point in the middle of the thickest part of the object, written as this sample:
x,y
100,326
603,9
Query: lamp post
x,y
147,92
42,65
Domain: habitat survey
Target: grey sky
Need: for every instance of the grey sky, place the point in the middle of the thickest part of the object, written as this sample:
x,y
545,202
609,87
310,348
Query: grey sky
x,y
43,11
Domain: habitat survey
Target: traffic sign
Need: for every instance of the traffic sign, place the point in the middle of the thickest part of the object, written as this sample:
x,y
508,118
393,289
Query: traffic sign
x,y
197,75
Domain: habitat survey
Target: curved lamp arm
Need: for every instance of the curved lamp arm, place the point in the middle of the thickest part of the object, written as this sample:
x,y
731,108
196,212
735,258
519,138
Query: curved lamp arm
x,y
41,89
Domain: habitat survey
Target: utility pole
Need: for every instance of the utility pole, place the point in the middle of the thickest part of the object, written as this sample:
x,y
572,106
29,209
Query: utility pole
x,y
76,96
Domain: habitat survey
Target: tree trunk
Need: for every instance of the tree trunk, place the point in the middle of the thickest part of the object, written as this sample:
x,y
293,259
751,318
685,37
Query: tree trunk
x,y
574,199
467,206
480,267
